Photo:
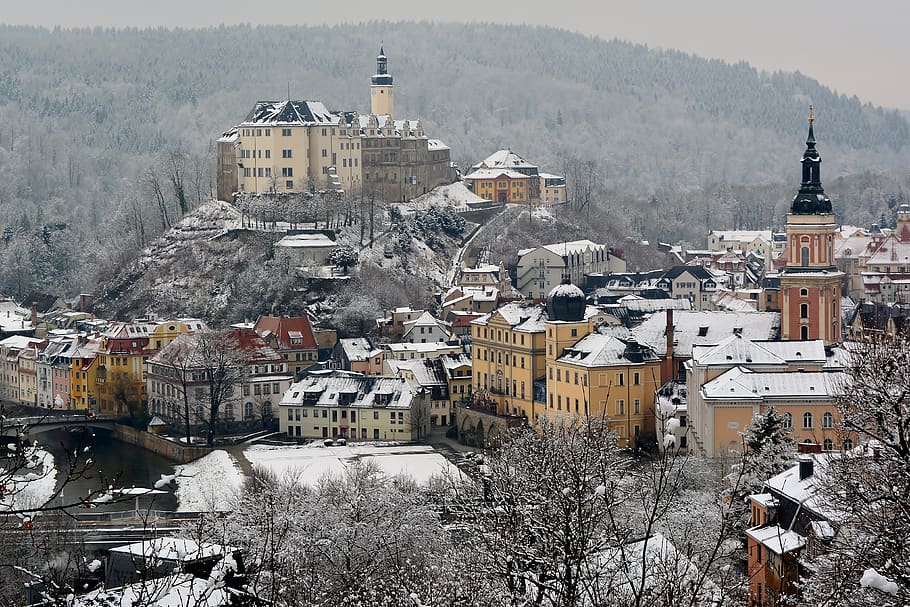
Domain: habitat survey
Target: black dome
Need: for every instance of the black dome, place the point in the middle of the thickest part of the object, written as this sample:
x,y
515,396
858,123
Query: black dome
x,y
566,302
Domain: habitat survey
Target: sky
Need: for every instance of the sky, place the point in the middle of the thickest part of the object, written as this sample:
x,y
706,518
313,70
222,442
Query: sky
x,y
856,48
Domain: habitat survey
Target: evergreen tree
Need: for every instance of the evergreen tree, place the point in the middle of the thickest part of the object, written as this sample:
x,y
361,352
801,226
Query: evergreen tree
x,y
768,450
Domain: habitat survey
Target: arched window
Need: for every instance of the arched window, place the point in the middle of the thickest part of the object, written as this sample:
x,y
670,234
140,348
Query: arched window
x,y
828,444
804,256
266,410
848,444
248,410
804,310
787,421
229,411
807,421
827,420
804,333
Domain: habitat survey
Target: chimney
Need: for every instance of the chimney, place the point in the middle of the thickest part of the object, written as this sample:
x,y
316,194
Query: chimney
x,y
85,302
667,368
34,314
808,447
806,465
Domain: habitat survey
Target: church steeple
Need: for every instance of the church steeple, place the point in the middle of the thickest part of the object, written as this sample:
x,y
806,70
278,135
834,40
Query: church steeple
x,y
811,199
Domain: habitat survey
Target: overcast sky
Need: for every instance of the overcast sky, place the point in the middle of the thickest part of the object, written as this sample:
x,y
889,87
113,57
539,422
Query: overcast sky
x,y
858,48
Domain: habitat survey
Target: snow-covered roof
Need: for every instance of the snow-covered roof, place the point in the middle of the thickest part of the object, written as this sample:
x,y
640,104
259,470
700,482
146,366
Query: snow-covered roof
x,y
326,390
172,549
357,349
777,539
704,328
171,591
596,350
495,174
738,350
764,499
295,241
741,235
504,158
297,112
740,383
565,248
521,316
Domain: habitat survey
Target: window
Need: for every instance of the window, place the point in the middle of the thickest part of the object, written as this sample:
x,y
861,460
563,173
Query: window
x,y
827,420
286,153
325,153
828,444
636,378
804,333
804,310
285,132
807,421
848,444
621,379
637,407
289,184
621,405
287,171
804,292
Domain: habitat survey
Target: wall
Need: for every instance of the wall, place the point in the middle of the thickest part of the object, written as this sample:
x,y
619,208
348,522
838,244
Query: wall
x,y
173,451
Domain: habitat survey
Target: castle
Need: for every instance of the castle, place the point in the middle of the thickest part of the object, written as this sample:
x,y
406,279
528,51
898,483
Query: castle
x,y
295,145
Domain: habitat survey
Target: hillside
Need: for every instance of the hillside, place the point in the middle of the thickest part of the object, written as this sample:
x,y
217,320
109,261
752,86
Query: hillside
x,y
214,265
96,122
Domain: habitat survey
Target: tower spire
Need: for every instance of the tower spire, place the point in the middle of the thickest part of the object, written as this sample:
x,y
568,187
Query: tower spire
x,y
811,199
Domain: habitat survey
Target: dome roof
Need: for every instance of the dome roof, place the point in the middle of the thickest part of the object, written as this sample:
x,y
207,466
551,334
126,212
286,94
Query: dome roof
x,y
566,302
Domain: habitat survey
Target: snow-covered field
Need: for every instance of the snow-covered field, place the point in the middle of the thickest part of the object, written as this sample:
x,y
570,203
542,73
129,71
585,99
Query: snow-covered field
x,y
207,483
310,462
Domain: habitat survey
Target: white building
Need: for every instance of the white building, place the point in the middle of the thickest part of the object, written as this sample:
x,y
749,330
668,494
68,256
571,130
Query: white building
x,y
540,269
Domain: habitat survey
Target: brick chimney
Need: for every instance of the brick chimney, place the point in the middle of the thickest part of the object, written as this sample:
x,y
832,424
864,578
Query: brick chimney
x,y
34,315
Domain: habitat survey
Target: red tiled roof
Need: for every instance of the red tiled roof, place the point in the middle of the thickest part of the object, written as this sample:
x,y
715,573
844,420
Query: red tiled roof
x,y
282,326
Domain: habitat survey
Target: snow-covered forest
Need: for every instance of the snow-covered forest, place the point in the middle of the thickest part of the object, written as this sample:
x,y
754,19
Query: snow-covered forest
x,y
107,135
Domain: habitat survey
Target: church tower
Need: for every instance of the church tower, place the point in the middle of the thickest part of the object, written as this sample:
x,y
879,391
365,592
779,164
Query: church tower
x,y
381,101
810,285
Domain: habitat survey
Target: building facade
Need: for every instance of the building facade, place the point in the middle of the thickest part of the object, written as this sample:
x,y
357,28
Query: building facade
x,y
542,268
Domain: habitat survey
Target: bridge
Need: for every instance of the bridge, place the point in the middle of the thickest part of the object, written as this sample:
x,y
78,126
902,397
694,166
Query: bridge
x,y
27,427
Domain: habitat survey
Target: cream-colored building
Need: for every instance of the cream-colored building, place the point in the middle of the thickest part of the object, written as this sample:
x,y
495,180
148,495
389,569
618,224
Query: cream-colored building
x,y
730,383
299,145
540,269
339,404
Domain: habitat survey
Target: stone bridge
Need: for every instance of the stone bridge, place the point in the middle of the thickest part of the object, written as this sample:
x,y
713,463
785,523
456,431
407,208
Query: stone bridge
x,y
28,427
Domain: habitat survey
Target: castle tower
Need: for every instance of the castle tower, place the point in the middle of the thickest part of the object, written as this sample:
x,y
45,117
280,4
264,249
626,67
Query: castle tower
x,y
810,285
381,101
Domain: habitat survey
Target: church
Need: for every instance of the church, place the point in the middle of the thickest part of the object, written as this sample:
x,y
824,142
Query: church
x,y
810,284
298,145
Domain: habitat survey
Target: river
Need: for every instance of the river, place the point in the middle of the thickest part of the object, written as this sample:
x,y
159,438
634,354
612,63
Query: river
x,y
112,463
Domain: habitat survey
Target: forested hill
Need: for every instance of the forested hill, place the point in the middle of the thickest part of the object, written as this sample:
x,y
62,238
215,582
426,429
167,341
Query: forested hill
x,y
87,117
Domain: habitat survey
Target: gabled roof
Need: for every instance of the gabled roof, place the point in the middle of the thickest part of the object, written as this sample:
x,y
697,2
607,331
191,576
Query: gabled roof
x,y
699,272
737,350
506,159
289,113
495,174
281,328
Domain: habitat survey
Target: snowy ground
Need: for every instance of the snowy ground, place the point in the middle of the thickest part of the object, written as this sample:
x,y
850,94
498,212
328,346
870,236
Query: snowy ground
x,y
33,486
208,483
311,462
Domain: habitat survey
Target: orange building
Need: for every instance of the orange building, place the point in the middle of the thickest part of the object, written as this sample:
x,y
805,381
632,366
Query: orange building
x,y
500,185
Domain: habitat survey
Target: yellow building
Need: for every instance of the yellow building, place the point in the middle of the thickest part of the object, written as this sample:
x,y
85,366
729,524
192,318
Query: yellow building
x,y
83,375
500,185
124,351
353,407
606,378
509,356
